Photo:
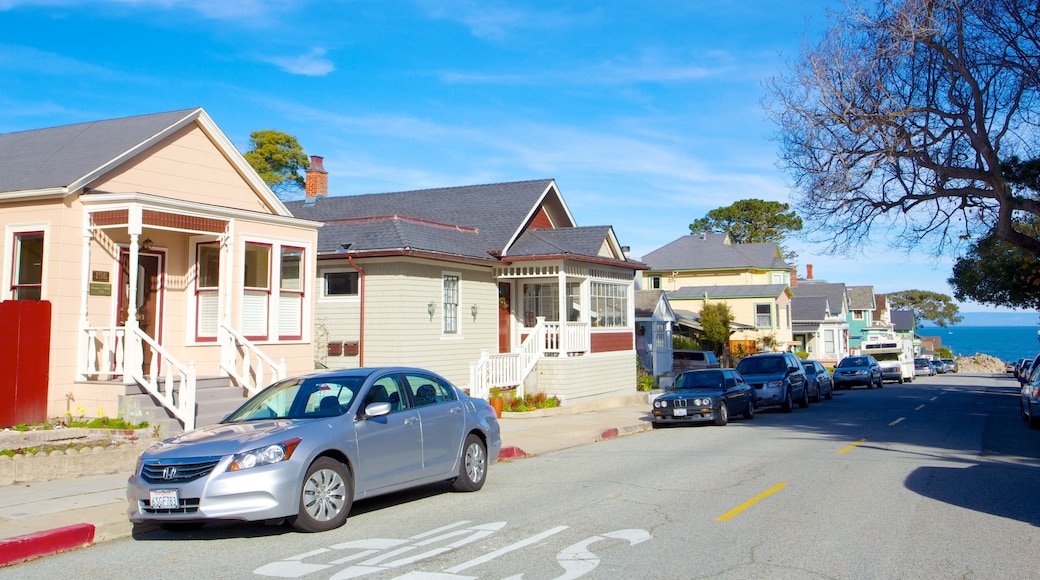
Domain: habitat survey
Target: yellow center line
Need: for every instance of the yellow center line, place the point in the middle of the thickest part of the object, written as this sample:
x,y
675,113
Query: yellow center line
x,y
733,512
852,446
896,422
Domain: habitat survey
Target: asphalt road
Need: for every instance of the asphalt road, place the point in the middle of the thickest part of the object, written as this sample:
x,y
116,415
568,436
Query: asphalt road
x,y
934,479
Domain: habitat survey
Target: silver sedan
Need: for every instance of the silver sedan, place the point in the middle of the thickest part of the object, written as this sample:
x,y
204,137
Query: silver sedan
x,y
305,448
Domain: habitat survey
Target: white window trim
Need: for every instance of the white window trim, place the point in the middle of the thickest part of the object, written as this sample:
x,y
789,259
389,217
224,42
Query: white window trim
x,y
7,258
770,305
322,297
458,305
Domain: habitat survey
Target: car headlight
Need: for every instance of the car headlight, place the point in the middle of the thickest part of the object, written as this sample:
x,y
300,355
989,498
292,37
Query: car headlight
x,y
774,384
702,402
660,404
264,455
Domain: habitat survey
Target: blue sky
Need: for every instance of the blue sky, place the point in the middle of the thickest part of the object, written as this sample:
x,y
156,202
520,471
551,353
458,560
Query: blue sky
x,y
648,114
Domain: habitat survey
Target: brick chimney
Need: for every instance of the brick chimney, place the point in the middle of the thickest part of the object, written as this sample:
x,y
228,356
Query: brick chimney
x,y
317,179
808,271
794,276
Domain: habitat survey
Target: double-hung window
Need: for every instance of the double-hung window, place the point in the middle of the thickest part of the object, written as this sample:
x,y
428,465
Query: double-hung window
x,y
27,266
290,299
451,304
341,283
763,315
207,291
257,292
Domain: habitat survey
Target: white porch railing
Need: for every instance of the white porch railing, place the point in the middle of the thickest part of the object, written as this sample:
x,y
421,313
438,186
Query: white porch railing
x,y
511,369
246,364
102,352
177,390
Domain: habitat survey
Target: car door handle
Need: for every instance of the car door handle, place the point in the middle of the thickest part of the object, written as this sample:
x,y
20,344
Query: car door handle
x,y
456,410
411,420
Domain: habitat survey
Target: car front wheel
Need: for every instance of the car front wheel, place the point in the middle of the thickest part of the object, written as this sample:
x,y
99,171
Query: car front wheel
x,y
722,415
472,466
788,405
804,402
749,413
325,498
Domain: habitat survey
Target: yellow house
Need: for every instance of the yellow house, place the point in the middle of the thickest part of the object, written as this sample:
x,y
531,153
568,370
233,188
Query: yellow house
x,y
751,278
163,261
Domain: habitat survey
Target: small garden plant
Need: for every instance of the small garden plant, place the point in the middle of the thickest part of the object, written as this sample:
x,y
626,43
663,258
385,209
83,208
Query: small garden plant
x,y
530,402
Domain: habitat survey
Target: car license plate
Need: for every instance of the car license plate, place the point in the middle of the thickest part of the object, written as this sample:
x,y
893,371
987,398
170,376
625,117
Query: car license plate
x,y
679,412
164,499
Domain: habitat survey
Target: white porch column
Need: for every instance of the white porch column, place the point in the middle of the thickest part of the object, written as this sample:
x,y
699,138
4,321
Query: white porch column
x,y
133,361
561,281
225,296
84,320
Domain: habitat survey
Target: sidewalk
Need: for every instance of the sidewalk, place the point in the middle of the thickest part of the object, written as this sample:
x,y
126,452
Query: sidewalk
x,y
46,517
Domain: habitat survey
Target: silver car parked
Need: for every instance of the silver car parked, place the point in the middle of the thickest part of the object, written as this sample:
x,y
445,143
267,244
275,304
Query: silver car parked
x,y
305,448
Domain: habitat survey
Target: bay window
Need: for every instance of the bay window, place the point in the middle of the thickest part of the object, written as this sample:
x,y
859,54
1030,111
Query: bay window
x,y
609,303
257,291
290,299
207,294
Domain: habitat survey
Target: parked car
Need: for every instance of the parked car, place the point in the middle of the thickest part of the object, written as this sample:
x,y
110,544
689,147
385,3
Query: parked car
x,y
818,379
705,395
305,448
1029,401
923,367
949,365
857,370
1021,367
778,379
684,360
939,367
1010,366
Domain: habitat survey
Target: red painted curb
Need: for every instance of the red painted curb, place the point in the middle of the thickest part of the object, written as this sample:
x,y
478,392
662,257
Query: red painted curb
x,y
511,452
28,546
609,433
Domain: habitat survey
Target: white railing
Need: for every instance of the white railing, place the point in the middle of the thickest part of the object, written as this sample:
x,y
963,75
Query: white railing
x,y
246,364
102,352
508,369
567,338
176,392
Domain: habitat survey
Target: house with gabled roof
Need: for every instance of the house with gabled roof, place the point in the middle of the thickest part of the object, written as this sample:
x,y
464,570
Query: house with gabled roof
x,y
161,260
833,342
490,285
655,316
861,312
817,330
752,278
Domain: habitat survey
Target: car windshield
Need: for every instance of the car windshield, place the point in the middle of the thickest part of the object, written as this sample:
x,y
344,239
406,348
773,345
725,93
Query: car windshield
x,y
761,365
853,361
699,380
304,398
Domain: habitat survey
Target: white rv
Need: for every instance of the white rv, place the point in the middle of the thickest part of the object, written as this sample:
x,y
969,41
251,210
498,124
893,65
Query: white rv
x,y
895,354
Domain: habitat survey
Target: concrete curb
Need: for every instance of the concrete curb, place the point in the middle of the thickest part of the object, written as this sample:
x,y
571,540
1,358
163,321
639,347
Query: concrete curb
x,y
21,548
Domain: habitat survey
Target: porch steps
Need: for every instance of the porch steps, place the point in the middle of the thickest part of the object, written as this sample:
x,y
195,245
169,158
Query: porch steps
x,y
214,398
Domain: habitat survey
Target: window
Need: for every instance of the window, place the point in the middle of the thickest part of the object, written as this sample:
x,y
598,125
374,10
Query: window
x,y
428,391
763,316
857,315
609,303
573,301
27,266
290,299
541,300
257,291
828,341
655,282
341,283
451,304
777,278
207,297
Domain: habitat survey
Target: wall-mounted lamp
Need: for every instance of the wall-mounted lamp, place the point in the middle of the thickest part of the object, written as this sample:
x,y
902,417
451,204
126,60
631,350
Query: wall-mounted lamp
x,y
146,244
431,308
473,310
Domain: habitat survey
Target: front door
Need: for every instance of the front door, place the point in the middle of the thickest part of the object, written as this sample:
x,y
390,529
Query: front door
x,y
505,318
147,300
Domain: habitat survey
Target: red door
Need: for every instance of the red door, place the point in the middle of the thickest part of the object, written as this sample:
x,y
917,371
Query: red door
x,y
25,346
505,318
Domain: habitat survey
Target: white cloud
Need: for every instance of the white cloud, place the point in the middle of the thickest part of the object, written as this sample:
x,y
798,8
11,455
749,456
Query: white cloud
x,y
312,64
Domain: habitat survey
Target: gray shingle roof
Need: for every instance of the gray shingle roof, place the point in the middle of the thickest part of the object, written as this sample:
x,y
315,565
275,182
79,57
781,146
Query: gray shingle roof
x,y
491,213
860,297
646,302
711,252
834,292
58,157
808,309
903,320
581,241
734,291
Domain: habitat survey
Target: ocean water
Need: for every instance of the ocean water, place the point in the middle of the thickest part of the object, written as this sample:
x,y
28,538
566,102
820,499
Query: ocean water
x,y
1004,342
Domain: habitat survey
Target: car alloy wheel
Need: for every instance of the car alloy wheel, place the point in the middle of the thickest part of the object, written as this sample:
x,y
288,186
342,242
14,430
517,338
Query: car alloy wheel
x,y
722,415
325,498
749,413
788,404
472,466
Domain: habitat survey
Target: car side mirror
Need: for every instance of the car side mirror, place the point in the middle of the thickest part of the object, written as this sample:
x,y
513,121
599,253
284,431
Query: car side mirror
x,y
377,410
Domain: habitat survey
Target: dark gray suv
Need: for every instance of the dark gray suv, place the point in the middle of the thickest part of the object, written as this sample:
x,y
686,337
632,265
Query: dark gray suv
x,y
778,379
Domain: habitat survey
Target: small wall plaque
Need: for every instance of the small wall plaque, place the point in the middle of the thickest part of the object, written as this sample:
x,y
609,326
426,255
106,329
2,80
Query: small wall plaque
x,y
99,276
100,289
